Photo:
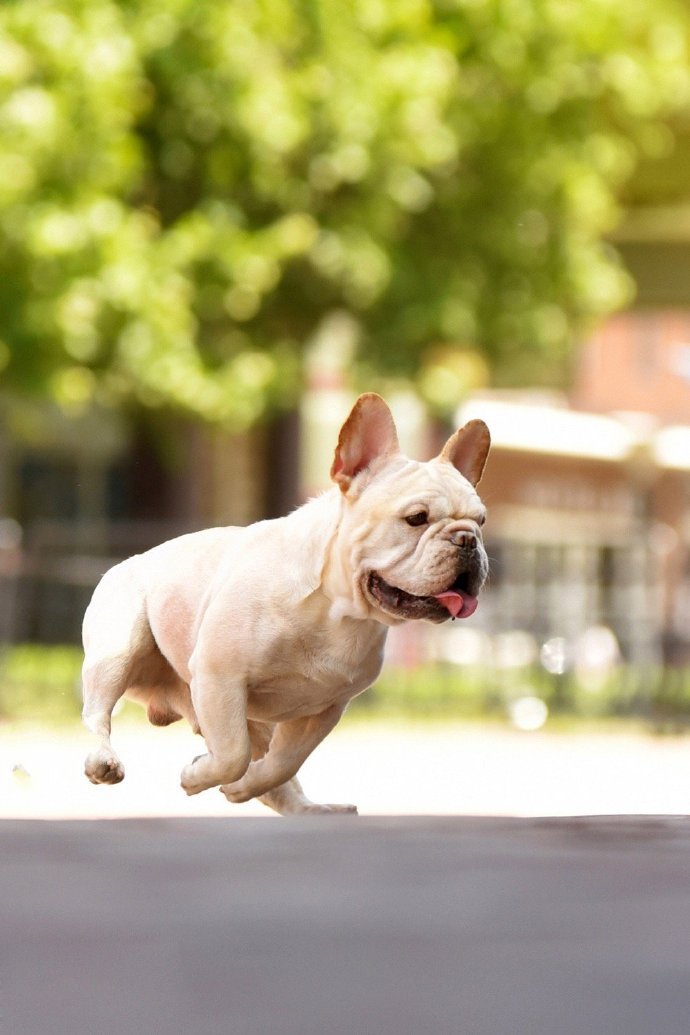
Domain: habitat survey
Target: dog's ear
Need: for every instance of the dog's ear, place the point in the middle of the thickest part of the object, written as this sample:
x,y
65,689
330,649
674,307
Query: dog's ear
x,y
368,433
467,449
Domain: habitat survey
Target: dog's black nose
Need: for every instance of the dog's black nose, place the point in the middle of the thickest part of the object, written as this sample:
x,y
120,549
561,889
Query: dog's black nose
x,y
464,540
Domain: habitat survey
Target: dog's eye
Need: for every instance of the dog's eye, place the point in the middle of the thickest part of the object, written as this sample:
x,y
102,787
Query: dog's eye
x,y
420,518
482,520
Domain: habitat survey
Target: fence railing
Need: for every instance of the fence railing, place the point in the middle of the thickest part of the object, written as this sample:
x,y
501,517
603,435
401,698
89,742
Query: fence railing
x,y
47,574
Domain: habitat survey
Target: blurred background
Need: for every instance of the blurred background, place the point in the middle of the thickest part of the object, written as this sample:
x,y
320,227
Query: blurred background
x,y
219,221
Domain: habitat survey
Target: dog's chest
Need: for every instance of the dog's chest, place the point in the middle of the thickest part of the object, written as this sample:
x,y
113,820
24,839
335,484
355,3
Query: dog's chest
x,y
304,674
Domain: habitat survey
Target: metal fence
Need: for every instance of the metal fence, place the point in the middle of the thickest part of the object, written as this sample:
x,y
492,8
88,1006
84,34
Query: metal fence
x,y
49,571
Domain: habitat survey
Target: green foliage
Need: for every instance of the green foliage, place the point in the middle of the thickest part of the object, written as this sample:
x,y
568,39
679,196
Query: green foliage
x,y
39,683
188,187
660,696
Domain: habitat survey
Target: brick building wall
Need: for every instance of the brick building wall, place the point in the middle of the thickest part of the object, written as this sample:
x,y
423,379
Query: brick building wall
x,y
638,361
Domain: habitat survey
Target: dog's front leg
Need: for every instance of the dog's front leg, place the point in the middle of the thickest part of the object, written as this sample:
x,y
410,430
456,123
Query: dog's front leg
x,y
290,746
221,711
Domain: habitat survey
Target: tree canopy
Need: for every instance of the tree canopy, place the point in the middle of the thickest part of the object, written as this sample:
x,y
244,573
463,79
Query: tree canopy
x,y
189,188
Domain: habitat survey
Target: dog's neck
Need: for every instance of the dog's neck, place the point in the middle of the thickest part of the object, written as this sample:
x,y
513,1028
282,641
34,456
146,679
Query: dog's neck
x,y
326,567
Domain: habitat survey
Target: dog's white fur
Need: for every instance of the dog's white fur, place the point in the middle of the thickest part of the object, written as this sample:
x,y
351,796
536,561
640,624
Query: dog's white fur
x,y
260,636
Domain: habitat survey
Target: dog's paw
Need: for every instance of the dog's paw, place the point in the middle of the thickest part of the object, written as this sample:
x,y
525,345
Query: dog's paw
x,y
236,793
102,767
189,779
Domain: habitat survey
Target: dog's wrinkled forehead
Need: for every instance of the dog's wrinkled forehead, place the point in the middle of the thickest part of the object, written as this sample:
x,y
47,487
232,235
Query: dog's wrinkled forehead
x,y
404,485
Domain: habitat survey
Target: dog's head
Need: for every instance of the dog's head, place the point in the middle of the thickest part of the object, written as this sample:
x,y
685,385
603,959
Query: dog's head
x,y
413,530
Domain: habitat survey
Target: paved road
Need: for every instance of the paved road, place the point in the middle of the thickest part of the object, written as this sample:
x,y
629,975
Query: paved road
x,y
343,926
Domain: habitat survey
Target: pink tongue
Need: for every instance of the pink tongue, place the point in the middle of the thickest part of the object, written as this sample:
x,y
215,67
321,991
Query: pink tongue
x,y
460,605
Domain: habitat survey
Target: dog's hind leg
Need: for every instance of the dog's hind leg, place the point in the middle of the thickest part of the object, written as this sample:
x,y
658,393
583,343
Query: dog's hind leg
x,y
287,798
104,685
290,800
115,632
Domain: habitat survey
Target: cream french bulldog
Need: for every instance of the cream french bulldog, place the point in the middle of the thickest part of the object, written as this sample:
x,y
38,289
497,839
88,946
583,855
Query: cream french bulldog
x,y
260,636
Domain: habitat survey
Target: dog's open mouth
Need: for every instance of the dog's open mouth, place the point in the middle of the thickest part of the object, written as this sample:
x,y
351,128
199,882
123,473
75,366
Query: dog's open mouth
x,y
458,601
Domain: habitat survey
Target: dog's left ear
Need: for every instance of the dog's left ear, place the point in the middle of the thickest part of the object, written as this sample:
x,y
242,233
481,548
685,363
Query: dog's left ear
x,y
467,449
368,433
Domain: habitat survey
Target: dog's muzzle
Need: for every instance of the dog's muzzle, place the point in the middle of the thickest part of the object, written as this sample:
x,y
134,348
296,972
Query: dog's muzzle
x,y
458,600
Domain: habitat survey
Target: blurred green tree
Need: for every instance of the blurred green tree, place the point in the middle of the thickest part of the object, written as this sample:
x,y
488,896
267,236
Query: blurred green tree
x,y
187,187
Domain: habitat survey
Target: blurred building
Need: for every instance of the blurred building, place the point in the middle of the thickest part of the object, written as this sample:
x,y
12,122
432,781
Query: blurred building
x,y
590,496
638,363
589,526
79,492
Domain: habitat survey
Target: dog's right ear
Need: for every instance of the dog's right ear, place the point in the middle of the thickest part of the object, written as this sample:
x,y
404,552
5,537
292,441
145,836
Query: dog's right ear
x,y
368,433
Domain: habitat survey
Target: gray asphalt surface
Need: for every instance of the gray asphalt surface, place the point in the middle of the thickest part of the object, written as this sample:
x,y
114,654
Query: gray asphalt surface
x,y
342,925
